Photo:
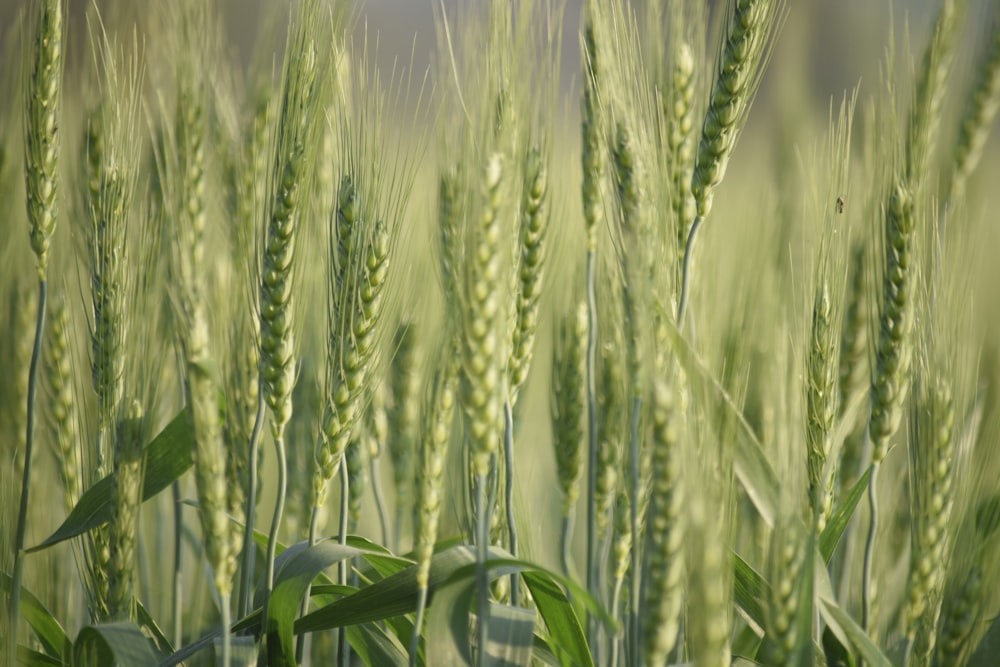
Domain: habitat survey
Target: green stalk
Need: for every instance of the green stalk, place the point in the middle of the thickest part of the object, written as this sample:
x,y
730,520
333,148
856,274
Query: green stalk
x,y
592,458
343,650
380,506
508,456
272,536
866,596
22,512
40,167
592,159
566,543
482,577
635,578
249,546
418,623
176,601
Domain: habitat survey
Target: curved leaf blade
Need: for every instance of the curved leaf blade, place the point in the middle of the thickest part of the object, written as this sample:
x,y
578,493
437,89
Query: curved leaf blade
x,y
392,596
751,465
291,583
32,658
47,629
112,643
841,518
837,618
168,456
565,630
375,647
749,592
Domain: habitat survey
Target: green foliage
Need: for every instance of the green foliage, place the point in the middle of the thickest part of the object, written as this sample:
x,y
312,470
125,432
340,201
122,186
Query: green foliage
x,y
254,231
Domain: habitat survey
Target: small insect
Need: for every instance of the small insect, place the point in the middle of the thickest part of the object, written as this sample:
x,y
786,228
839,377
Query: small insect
x,y
840,204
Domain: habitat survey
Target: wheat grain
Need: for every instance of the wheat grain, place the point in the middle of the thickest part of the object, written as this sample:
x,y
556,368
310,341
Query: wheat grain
x,y
438,420
404,419
894,349
41,152
744,55
977,120
932,456
568,400
665,531
821,406
681,141
481,382
530,274
124,526
925,112
611,424
63,407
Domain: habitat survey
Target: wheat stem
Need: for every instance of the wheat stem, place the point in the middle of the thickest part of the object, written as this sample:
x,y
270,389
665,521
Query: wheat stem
x,y
866,576
434,450
22,512
665,535
593,167
744,55
249,546
482,576
508,458
980,111
41,158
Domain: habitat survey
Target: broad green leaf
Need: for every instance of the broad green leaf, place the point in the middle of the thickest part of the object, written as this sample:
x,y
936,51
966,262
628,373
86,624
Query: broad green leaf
x,y
512,633
451,578
47,629
566,635
290,584
749,592
112,643
447,636
747,642
282,556
836,618
165,459
375,647
543,653
26,656
749,461
836,653
447,640
802,652
332,591
986,653
392,596
147,622
579,594
841,518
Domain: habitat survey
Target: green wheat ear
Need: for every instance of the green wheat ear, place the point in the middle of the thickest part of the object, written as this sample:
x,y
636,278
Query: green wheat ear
x,y
404,418
744,53
41,153
481,382
530,274
894,350
932,460
681,142
64,401
568,400
277,270
980,111
666,529
746,48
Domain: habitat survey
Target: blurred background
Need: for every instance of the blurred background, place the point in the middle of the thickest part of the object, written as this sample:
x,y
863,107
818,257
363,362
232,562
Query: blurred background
x,y
835,28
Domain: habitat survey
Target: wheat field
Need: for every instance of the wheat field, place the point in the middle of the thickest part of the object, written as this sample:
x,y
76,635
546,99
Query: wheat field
x,y
606,332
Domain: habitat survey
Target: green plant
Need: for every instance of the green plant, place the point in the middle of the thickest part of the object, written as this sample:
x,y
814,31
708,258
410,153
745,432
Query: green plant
x,y
375,276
